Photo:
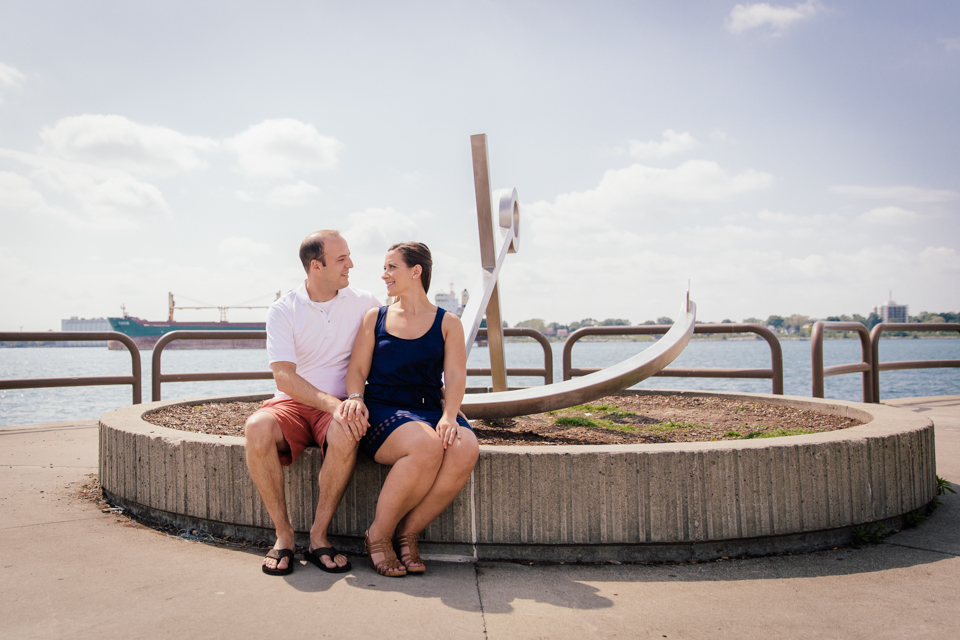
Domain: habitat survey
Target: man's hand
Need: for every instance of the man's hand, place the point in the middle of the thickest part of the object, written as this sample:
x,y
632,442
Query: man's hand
x,y
352,414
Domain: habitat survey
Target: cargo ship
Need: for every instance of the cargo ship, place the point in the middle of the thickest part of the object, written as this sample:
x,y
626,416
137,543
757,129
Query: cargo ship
x,y
145,333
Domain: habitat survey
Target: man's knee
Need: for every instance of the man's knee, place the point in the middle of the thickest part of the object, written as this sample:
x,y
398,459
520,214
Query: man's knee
x,y
262,431
340,443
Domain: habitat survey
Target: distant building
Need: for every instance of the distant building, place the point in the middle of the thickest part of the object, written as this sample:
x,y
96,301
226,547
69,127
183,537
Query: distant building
x,y
85,324
893,312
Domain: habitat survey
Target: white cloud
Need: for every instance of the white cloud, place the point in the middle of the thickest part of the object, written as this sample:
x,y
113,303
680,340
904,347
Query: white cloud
x,y
107,197
17,193
745,17
903,193
10,77
243,196
19,197
672,144
951,44
280,149
114,141
888,215
641,191
941,260
292,195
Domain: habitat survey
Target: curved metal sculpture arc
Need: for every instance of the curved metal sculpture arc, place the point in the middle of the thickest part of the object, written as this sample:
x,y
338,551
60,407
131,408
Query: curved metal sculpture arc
x,y
509,404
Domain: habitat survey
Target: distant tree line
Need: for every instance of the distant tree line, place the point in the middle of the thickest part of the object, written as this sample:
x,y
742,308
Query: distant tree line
x,y
795,325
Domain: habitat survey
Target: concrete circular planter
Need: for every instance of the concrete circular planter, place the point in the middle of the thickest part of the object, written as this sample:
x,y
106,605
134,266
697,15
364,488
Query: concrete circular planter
x,y
664,502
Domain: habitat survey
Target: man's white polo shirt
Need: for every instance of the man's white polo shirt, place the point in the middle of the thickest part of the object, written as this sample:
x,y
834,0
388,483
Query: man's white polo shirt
x,y
317,336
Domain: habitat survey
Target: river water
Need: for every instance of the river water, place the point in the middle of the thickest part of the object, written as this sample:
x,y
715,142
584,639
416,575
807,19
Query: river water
x,y
32,406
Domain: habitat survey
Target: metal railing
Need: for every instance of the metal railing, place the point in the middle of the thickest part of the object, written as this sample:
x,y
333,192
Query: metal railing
x,y
158,377
878,366
818,372
774,373
134,380
546,372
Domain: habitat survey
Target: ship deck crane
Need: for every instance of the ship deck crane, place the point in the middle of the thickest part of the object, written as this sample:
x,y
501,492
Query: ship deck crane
x,y
223,310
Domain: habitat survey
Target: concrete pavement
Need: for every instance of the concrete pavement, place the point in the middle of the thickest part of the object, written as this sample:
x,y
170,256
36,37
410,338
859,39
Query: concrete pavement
x,y
69,570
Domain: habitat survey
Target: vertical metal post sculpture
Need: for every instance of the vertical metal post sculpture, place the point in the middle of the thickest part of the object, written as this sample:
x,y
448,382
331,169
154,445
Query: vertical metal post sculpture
x,y
486,298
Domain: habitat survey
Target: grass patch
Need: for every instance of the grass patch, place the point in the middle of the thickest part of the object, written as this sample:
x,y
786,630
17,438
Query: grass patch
x,y
599,423
618,414
590,408
576,421
606,411
774,432
672,426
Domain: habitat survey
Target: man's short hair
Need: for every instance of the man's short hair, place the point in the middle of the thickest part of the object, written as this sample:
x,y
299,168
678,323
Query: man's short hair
x,y
312,247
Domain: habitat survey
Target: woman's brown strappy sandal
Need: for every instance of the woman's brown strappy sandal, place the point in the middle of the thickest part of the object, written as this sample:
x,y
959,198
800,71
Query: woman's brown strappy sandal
x,y
408,541
390,566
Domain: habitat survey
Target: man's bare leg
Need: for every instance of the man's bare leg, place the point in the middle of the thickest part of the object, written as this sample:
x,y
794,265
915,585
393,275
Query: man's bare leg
x,y
264,440
335,473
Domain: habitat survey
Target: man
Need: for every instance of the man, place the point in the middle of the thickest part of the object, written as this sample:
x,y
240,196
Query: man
x,y
310,334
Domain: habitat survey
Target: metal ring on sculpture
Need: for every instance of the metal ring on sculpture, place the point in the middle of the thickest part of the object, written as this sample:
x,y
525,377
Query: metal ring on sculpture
x,y
507,404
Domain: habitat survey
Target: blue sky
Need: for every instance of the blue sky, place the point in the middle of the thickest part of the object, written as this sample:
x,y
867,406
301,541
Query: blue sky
x,y
785,158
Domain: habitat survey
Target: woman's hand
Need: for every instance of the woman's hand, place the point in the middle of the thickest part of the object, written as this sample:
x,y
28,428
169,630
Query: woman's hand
x,y
353,414
448,430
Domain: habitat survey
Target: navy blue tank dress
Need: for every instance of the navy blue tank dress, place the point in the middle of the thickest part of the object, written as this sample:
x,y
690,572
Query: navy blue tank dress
x,y
404,382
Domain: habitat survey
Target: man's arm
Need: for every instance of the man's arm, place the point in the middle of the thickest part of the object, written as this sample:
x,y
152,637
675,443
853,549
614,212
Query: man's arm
x,y
291,383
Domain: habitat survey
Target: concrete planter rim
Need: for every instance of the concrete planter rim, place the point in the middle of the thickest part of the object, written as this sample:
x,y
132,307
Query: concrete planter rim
x,y
878,419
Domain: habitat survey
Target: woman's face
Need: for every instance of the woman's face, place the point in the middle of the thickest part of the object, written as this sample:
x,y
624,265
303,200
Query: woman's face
x,y
397,275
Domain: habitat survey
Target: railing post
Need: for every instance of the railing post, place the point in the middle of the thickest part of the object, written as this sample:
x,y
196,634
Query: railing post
x,y
816,360
877,332
818,372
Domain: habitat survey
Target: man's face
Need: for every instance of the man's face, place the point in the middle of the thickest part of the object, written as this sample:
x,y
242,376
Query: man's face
x,y
336,273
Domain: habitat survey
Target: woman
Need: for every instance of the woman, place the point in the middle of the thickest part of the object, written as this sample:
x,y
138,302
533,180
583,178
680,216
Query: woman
x,y
394,382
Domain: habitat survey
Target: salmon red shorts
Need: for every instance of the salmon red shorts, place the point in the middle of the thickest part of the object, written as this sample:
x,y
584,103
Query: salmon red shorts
x,y
302,426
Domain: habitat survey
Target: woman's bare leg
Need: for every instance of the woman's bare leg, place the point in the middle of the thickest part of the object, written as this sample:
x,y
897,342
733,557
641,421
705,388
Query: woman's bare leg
x,y
459,460
415,453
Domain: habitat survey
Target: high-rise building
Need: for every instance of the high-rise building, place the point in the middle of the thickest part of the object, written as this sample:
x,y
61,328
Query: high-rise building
x,y
890,311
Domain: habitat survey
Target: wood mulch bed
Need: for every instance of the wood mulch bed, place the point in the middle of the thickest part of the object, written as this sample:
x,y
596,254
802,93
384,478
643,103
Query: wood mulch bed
x,y
622,419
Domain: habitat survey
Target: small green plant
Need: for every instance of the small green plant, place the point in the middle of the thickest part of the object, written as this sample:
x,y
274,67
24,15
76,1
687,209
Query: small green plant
x,y
915,519
732,434
868,534
943,486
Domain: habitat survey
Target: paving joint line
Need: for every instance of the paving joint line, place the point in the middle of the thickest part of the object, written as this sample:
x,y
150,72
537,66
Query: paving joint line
x,y
43,524
44,466
907,546
483,617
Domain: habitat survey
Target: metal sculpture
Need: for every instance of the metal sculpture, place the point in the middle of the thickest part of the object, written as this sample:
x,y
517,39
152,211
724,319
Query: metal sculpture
x,y
486,300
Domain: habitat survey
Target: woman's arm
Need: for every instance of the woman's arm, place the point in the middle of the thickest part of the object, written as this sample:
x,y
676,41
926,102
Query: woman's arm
x,y
353,412
454,377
